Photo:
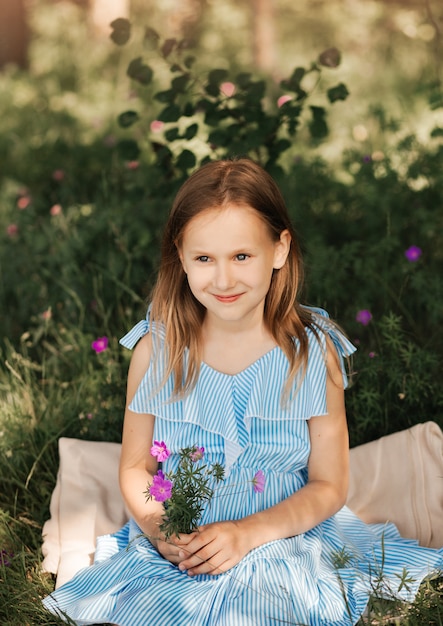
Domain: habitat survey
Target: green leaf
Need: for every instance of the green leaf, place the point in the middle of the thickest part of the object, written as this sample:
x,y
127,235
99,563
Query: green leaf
x,y
121,31
172,134
339,92
170,114
318,126
167,96
330,57
212,90
128,118
128,149
293,83
437,132
189,61
256,90
151,38
186,160
243,79
180,83
215,77
191,131
139,71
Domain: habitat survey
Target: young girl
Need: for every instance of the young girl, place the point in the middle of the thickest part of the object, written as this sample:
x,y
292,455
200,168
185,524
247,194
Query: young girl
x,y
229,360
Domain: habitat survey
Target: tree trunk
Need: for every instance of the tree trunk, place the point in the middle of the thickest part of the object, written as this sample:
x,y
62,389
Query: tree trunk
x,y
263,26
14,34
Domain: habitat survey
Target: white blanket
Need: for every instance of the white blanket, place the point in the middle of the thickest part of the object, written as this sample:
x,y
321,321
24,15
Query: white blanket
x,y
398,478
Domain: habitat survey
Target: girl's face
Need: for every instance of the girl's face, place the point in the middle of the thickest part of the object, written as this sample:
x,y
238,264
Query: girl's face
x,y
229,257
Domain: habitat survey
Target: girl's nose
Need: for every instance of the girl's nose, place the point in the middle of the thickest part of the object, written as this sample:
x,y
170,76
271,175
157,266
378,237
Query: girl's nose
x,y
224,277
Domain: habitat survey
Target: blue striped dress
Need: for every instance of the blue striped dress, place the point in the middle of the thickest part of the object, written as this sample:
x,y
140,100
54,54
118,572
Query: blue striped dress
x,y
323,577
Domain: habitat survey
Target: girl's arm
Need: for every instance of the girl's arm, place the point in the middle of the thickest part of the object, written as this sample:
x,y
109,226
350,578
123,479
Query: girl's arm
x,y
137,465
220,546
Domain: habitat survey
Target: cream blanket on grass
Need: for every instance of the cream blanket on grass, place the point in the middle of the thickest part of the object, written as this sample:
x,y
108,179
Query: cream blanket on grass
x,y
398,478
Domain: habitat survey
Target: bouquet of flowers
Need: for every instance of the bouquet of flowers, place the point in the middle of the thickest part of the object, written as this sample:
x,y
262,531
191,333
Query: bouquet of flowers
x,y
186,491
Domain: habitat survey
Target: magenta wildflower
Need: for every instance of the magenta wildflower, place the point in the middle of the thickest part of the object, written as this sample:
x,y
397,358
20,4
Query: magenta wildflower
x,y
100,344
58,175
413,253
5,557
364,317
160,451
156,126
56,209
161,488
197,455
23,202
372,355
227,89
259,482
12,230
283,100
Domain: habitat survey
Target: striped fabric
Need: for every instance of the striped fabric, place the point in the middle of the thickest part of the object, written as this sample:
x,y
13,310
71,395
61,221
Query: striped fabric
x,y
321,578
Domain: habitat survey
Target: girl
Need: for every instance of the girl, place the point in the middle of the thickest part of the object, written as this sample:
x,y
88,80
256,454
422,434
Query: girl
x,y
228,359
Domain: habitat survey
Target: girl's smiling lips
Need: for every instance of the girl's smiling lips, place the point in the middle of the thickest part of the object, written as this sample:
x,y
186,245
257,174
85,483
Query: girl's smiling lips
x,y
227,299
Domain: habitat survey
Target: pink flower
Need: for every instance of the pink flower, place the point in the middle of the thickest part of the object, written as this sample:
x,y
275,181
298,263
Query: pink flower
x,y
23,202
160,451
259,482
56,209
58,175
413,253
133,165
227,89
283,99
47,315
12,230
100,344
157,126
372,355
197,455
364,317
161,488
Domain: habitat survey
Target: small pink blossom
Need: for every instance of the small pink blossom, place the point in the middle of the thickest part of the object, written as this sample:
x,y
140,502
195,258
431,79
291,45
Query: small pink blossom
x,y
259,482
12,230
133,165
56,209
160,451
413,253
23,202
89,416
161,488
372,355
157,126
364,317
58,175
227,89
197,455
283,99
100,344
47,315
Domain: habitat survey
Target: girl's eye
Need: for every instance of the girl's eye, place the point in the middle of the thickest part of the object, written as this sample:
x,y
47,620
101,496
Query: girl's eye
x,y
242,257
203,258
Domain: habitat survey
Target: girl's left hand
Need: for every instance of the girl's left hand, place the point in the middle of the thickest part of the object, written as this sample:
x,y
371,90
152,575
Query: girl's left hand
x,y
213,549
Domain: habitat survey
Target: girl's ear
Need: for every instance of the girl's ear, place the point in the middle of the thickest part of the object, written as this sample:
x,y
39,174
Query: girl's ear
x,y
282,248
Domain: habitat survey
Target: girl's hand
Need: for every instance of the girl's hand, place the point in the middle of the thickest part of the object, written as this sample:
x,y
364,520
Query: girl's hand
x,y
213,549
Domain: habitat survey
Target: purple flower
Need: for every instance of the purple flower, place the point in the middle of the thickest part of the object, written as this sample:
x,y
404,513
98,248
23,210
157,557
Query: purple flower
x,y
5,557
259,482
161,488
100,344
160,451
364,317
197,454
413,253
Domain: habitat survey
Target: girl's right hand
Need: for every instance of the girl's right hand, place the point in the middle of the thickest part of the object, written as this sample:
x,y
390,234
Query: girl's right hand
x,y
168,550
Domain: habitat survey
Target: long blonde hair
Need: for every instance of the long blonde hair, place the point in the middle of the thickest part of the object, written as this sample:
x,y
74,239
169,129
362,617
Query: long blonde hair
x,y
237,181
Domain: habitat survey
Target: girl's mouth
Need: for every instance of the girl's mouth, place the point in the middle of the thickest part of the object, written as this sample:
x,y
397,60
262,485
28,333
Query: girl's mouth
x,y
227,299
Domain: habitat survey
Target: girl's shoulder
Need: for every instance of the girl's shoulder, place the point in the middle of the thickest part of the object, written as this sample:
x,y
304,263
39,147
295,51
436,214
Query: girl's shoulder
x,y
142,328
